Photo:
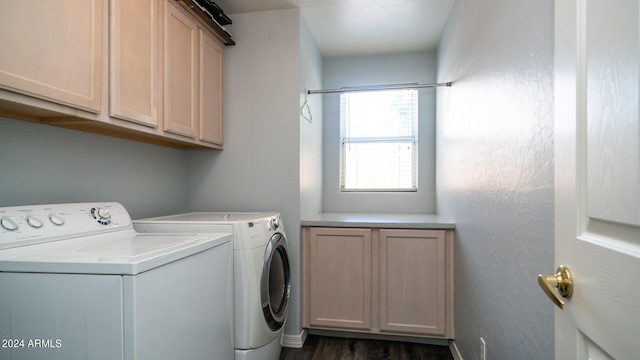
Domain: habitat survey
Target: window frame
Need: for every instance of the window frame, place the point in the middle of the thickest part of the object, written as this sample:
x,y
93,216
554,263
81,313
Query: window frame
x,y
346,139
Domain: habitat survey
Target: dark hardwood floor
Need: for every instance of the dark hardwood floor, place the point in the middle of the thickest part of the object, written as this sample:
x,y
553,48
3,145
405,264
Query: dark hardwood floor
x,y
329,348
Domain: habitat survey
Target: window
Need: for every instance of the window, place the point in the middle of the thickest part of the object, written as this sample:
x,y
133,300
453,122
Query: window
x,y
379,140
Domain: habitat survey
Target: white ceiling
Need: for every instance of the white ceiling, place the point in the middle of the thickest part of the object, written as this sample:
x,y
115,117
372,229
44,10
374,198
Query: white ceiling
x,y
361,27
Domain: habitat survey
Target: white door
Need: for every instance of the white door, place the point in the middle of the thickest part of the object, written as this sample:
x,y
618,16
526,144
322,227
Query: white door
x,y
597,151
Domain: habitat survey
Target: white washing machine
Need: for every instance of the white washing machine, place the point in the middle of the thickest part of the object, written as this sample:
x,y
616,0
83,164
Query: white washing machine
x,y
78,282
261,273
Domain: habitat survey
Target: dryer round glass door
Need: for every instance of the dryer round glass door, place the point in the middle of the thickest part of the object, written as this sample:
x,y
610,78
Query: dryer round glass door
x,y
275,284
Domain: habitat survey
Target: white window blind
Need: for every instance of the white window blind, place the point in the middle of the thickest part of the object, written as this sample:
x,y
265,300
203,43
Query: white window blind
x,y
379,140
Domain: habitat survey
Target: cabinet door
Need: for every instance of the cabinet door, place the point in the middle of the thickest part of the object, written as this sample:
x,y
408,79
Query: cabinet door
x,y
413,287
211,99
180,72
53,50
133,59
340,278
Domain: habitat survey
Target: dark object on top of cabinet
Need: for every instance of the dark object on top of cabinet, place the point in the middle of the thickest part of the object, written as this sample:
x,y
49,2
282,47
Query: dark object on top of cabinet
x,y
196,9
216,12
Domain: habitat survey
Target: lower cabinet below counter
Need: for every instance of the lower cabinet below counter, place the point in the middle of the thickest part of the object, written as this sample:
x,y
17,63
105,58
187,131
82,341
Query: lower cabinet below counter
x,y
379,281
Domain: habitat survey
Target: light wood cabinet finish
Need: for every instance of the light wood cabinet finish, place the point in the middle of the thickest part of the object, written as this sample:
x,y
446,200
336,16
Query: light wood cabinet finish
x,y
53,50
379,281
413,287
340,266
193,79
143,70
210,90
180,72
133,61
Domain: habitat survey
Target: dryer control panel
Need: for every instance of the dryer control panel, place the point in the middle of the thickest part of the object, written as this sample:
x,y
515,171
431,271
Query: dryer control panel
x,y
25,225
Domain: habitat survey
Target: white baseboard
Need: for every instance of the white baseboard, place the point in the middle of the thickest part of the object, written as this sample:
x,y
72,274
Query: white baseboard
x,y
454,350
294,341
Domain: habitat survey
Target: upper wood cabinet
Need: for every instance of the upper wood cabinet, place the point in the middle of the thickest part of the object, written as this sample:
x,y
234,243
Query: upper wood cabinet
x,y
210,89
53,50
133,61
144,70
192,79
180,72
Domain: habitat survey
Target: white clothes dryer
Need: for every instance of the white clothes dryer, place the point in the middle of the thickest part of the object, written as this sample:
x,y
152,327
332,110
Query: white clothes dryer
x,y
78,282
261,273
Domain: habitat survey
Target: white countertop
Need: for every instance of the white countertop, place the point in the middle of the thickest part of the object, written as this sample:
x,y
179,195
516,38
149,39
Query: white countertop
x,y
404,221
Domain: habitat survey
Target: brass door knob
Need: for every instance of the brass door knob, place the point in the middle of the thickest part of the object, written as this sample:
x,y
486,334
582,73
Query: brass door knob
x,y
562,280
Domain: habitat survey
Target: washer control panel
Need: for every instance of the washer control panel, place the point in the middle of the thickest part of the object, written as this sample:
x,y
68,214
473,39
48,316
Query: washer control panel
x,y
24,225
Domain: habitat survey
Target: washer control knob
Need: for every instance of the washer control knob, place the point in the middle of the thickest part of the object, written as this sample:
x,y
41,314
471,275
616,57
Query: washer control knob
x,y
102,215
56,219
34,221
275,223
8,223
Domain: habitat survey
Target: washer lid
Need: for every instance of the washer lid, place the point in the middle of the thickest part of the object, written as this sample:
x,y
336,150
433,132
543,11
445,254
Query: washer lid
x,y
123,252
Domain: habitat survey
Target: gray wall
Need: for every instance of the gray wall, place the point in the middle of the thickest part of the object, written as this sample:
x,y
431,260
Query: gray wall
x,y
373,70
495,172
42,164
310,131
259,169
